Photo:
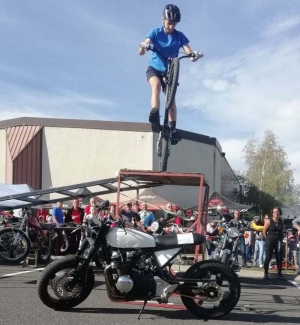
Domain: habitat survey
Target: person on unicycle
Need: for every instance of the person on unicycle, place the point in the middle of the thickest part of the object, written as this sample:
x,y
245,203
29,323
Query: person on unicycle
x,y
168,40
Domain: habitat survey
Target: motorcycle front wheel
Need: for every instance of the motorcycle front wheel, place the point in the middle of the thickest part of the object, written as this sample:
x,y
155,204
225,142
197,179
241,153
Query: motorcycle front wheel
x,y
53,284
14,253
225,290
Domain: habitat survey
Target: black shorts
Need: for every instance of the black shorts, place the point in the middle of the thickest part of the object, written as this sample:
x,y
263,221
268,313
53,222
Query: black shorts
x,y
159,74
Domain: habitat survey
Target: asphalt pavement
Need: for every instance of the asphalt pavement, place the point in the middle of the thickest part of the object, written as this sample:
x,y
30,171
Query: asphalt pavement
x,y
272,301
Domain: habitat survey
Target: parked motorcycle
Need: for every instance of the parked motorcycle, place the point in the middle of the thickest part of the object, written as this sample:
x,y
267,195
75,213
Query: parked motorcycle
x,y
140,268
16,241
226,245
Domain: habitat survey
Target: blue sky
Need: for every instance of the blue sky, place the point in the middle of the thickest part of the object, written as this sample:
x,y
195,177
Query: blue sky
x,y
78,59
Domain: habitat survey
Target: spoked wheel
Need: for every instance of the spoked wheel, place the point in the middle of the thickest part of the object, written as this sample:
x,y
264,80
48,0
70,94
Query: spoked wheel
x,y
165,144
172,83
213,299
54,284
45,251
14,253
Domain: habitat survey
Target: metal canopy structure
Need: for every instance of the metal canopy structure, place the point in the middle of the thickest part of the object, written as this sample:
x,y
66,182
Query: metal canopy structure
x,y
170,178
65,193
127,180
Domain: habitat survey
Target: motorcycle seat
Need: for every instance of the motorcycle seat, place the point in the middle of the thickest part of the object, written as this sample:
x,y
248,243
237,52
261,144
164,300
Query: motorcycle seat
x,y
179,240
46,226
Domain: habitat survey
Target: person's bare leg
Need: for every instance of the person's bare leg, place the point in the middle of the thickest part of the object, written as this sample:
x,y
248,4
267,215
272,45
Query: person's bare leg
x,y
155,91
155,85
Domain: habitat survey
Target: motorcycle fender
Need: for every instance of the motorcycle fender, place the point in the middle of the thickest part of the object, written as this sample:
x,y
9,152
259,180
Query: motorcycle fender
x,y
194,268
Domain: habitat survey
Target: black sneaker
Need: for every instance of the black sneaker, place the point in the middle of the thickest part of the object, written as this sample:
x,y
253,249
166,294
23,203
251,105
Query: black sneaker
x,y
266,276
280,277
154,116
176,137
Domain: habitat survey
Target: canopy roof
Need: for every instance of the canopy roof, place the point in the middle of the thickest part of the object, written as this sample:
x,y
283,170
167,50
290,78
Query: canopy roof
x,y
218,202
6,190
149,196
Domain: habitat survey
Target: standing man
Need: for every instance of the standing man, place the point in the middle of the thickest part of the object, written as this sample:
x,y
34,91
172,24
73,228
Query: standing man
x,y
57,214
127,212
147,217
92,204
58,220
75,214
238,223
169,41
169,217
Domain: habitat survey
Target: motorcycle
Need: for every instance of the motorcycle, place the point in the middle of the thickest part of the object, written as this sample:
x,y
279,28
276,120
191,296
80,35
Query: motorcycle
x,y
226,245
139,267
89,233
17,240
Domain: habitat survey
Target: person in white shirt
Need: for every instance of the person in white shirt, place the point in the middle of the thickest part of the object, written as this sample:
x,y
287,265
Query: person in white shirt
x,y
212,228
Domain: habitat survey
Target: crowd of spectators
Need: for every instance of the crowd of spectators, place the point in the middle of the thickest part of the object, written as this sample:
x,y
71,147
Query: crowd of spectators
x,y
265,237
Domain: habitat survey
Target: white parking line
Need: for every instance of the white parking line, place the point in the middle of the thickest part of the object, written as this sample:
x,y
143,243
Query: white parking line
x,y
295,284
17,273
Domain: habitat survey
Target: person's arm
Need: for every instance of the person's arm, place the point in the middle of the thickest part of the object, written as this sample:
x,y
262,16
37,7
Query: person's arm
x,y
266,227
188,50
296,223
256,227
143,46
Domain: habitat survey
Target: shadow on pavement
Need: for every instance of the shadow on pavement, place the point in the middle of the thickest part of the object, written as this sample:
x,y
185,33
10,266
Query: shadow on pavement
x,y
251,317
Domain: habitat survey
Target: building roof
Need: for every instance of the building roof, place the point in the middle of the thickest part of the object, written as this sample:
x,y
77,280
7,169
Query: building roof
x,y
103,125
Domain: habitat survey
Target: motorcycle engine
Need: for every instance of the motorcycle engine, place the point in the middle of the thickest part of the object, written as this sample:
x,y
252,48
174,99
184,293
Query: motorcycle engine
x,y
32,234
133,272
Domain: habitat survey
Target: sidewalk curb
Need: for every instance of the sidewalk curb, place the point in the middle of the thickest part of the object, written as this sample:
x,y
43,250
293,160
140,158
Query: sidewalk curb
x,y
243,273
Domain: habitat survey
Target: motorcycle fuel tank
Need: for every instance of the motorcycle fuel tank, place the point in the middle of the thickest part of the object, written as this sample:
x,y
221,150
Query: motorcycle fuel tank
x,y
129,238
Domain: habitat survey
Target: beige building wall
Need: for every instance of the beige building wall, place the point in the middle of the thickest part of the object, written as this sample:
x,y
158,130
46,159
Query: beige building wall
x,y
2,155
72,155
190,157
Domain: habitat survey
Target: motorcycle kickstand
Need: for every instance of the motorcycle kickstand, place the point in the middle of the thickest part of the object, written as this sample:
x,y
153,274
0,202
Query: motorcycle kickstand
x,y
140,313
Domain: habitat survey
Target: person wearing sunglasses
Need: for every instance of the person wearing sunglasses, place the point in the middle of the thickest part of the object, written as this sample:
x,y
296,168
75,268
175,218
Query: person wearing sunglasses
x,y
273,234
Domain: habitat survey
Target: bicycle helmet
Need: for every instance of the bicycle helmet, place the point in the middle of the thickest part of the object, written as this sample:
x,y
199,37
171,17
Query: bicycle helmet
x,y
172,13
256,218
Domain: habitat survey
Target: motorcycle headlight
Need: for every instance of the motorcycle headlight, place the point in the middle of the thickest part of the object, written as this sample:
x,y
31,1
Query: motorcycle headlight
x,y
154,226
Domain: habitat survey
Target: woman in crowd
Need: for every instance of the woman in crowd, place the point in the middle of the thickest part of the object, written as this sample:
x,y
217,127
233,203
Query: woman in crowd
x,y
258,226
273,234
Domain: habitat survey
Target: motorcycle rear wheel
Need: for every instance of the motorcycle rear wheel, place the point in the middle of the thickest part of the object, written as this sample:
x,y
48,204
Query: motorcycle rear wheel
x,y
45,252
207,269
55,277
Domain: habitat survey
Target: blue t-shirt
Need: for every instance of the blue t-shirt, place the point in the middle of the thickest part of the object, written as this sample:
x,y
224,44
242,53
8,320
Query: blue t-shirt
x,y
149,219
57,212
168,44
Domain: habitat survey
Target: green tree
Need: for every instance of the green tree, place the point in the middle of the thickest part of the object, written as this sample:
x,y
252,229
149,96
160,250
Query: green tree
x,y
269,172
